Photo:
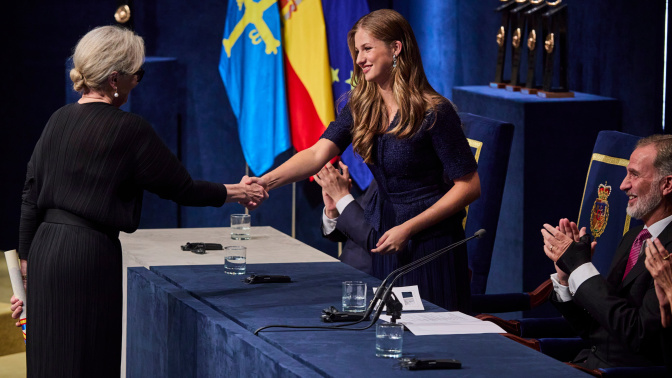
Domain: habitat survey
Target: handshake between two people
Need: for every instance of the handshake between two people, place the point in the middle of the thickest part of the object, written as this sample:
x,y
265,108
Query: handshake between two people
x,y
250,192
335,185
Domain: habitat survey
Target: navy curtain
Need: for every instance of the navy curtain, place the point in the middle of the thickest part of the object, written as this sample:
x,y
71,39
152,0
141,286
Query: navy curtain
x,y
616,50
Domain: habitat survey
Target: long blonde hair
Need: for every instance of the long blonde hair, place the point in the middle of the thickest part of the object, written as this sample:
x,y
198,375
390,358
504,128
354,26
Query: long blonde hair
x,y
102,51
412,91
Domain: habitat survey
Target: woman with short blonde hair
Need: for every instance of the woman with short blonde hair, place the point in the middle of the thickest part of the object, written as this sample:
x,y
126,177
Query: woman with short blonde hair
x,y
85,182
103,51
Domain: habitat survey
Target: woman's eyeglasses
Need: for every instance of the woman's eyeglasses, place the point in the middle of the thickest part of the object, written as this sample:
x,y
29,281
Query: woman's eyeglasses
x,y
140,73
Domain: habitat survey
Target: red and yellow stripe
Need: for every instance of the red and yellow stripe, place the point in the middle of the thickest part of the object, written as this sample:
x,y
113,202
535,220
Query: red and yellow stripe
x,y
23,328
308,75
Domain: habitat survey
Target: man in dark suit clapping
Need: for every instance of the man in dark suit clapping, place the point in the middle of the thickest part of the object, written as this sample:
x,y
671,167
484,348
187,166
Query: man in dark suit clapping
x,y
352,254
618,314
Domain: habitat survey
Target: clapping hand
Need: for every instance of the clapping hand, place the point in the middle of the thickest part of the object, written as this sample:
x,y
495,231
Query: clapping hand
x,y
658,264
335,185
567,238
556,241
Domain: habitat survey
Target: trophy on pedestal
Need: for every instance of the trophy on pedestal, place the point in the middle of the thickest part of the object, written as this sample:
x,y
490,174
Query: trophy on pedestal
x,y
505,8
518,21
533,42
554,23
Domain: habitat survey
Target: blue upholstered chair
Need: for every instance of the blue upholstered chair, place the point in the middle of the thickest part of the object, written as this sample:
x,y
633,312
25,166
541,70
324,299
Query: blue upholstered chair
x,y
602,212
490,141
607,225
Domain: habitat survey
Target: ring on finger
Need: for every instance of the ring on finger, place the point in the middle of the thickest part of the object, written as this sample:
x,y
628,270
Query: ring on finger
x,y
666,257
551,248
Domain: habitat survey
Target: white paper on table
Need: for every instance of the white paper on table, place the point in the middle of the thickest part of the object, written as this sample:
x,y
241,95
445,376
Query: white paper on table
x,y
409,296
445,323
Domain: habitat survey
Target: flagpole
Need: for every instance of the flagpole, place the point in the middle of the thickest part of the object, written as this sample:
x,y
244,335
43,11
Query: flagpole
x,y
294,210
247,173
294,206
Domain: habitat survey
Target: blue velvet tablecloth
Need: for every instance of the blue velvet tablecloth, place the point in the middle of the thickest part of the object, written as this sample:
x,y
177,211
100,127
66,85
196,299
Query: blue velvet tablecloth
x,y
198,321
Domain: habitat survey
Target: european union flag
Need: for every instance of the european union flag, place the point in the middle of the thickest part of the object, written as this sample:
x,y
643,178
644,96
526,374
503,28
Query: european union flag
x,y
339,17
251,67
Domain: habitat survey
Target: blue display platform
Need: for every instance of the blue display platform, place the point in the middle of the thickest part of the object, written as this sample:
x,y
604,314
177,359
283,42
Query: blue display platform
x,y
196,321
552,144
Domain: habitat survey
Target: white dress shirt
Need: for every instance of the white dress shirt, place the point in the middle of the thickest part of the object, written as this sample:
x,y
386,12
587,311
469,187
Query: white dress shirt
x,y
588,270
329,224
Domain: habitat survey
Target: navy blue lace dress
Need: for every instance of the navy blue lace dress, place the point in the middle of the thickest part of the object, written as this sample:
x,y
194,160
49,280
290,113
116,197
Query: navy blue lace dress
x,y
412,175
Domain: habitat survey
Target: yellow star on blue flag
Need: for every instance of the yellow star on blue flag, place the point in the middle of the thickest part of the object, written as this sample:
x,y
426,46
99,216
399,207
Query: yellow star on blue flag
x,y
334,75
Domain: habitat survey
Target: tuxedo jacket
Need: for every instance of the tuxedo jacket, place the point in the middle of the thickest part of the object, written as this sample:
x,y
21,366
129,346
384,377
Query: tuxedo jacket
x,y
352,225
352,253
620,318
666,340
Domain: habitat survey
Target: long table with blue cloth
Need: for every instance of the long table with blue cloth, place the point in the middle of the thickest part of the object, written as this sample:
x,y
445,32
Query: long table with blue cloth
x,y
197,321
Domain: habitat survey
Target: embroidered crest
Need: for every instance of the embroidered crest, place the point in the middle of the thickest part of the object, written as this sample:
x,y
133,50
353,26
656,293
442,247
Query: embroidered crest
x,y
599,215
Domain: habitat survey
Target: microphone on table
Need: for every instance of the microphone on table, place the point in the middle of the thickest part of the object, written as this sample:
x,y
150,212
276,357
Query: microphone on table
x,y
384,293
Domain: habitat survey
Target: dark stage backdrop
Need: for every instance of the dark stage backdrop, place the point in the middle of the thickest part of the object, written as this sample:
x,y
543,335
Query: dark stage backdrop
x,y
616,50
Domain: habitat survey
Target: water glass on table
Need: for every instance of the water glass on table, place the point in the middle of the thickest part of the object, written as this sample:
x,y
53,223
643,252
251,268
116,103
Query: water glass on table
x,y
240,226
389,339
354,296
235,259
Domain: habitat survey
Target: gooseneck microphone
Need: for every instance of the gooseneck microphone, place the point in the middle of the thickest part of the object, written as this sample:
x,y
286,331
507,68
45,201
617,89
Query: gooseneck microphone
x,y
384,293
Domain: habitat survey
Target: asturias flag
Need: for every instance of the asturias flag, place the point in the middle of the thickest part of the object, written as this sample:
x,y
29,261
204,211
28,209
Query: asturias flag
x,y
308,75
251,66
339,17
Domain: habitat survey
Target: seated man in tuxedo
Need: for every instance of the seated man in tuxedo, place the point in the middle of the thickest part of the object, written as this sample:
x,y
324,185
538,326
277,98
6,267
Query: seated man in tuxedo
x,y
619,313
352,254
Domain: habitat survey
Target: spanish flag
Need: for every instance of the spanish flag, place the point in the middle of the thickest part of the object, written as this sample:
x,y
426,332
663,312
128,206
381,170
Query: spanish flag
x,y
307,72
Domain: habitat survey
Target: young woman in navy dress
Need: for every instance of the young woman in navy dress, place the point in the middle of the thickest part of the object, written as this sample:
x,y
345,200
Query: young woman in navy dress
x,y
411,138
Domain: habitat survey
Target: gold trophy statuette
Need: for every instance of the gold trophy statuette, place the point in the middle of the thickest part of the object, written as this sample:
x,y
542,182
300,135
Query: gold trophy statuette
x,y
515,41
550,43
532,40
500,36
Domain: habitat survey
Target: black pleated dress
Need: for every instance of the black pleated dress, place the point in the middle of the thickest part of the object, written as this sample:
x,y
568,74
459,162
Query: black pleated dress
x,y
92,162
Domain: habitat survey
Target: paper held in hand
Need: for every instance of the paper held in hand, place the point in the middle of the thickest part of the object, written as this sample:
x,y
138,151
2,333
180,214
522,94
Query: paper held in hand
x,y
17,284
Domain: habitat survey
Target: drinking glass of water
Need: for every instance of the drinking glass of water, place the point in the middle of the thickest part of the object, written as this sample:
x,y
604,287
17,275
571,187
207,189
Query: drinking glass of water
x,y
240,226
389,339
235,259
354,296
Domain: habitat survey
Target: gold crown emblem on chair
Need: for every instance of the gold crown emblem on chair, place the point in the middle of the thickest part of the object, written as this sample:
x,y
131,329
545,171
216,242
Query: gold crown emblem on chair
x,y
599,215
